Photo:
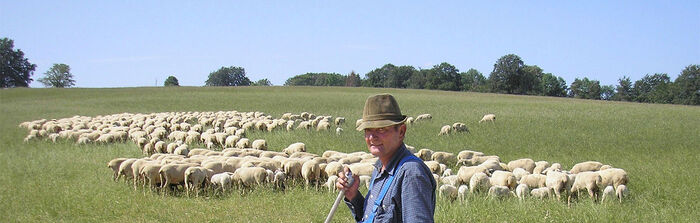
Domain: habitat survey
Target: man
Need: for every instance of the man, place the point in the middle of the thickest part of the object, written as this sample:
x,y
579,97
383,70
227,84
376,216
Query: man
x,y
402,187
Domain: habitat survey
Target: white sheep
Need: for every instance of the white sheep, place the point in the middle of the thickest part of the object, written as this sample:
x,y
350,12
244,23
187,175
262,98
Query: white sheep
x,y
503,178
173,174
194,178
330,183
519,173
613,177
231,141
621,192
280,178
114,165
423,117
447,172
249,176
589,181
311,172
459,127
323,125
586,166
540,166
445,130
259,144
443,157
522,191
468,154
534,180
462,192
479,182
222,180
338,131
295,147
488,117
540,193
526,163
557,182
425,154
608,193
465,173
448,191
243,143
339,120
450,180
497,191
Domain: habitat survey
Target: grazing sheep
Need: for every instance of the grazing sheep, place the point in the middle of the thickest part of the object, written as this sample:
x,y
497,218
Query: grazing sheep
x,y
194,177
434,167
249,176
499,191
445,130
465,173
423,117
519,173
503,178
409,120
338,131
553,167
468,154
522,191
462,192
333,168
605,167
448,191
243,143
311,172
222,180
479,182
231,141
613,177
621,192
362,168
459,127
125,169
447,172
364,181
114,165
173,174
540,193
425,154
557,182
259,144
330,183
540,166
586,180
527,164
608,193
534,180
586,166
181,150
150,174
443,157
339,120
295,147
492,164
323,125
450,180
488,117
292,168
476,160
279,179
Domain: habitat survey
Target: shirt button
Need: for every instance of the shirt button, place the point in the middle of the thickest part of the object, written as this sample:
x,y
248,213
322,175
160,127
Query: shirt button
x,y
371,196
366,216
383,206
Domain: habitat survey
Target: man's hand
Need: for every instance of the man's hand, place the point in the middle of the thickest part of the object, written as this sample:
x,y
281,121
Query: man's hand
x,y
342,184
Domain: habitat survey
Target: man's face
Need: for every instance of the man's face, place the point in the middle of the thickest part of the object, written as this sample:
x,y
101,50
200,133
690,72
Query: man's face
x,y
383,142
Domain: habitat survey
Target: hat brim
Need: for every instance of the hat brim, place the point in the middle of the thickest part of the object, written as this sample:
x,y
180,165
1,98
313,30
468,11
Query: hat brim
x,y
379,124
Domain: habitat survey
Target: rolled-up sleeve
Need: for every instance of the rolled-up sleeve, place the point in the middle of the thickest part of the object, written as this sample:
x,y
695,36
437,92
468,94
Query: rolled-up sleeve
x,y
417,195
356,206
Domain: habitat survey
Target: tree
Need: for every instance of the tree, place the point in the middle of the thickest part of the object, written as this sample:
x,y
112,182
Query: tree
x,y
417,80
445,77
553,86
15,70
687,86
529,80
228,76
653,89
171,81
353,80
58,76
624,90
585,89
505,75
378,77
262,82
316,79
473,80
607,92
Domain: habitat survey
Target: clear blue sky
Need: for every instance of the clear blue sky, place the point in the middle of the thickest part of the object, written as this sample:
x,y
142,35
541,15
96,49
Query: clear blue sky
x,y
135,43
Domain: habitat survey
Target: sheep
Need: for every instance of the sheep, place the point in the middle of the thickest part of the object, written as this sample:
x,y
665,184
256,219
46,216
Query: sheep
x,y
311,172
497,191
194,177
447,172
338,131
540,193
434,167
423,117
289,125
445,130
125,169
608,193
222,180
409,120
292,168
249,176
114,165
231,141
534,180
468,154
557,182
243,143
259,144
425,154
451,180
159,147
364,181
323,126
136,169
613,177
476,160
333,168
150,174
448,191
330,183
362,168
605,167
339,120
553,167
295,147
586,180
586,166
522,191
279,179
492,164
479,182
503,178
462,192
173,174
459,127
465,173
488,117
527,164
304,125
519,173
621,192
540,166
443,157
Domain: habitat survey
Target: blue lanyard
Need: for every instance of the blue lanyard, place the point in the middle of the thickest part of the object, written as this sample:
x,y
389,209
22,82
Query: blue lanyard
x,y
385,188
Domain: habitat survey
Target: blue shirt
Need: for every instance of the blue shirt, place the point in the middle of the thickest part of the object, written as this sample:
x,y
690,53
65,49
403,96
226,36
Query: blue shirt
x,y
411,198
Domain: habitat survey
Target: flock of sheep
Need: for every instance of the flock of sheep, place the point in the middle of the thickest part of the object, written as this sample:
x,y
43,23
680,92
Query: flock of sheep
x,y
232,160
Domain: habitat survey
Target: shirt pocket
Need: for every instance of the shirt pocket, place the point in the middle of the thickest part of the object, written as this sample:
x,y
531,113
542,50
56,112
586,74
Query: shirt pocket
x,y
386,213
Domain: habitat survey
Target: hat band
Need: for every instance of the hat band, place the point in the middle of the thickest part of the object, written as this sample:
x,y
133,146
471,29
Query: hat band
x,y
391,116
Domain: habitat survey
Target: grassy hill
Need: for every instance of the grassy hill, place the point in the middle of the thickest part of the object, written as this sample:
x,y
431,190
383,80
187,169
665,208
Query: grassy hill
x,y
658,145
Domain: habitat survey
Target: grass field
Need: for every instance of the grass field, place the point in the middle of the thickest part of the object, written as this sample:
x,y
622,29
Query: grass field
x,y
658,145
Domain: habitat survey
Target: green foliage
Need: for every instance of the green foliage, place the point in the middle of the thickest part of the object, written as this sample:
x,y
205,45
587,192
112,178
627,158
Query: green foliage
x,y
316,79
473,80
389,76
58,76
445,77
553,85
585,89
353,80
653,89
171,81
228,76
505,77
262,82
624,90
687,86
607,92
64,182
15,70
417,79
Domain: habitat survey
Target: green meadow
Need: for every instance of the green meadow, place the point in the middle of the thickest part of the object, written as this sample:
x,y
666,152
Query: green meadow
x,y
658,146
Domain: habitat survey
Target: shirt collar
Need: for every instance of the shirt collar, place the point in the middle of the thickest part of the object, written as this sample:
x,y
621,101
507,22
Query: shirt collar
x,y
400,153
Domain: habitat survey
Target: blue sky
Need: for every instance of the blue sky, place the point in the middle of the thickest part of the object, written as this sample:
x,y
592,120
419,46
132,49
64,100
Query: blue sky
x,y
136,43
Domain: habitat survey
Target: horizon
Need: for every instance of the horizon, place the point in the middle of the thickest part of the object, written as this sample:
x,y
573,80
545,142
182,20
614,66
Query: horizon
x,y
113,45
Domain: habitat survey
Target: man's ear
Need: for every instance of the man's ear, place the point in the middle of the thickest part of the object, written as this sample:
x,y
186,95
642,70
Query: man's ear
x,y
402,130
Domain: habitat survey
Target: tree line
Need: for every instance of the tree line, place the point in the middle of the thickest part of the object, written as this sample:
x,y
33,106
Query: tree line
x,y
510,75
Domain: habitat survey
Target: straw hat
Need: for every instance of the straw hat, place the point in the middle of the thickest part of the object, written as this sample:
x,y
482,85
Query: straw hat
x,y
380,111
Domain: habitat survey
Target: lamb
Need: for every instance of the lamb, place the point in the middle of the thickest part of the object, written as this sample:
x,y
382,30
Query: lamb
x,y
487,118
614,177
586,166
448,191
522,191
243,143
434,167
443,157
259,144
222,180
540,193
586,180
447,172
479,182
279,179
339,120
608,193
330,183
557,182
338,131
462,192
445,130
553,167
114,165
499,191
450,180
333,168
295,147
503,178
621,192
527,164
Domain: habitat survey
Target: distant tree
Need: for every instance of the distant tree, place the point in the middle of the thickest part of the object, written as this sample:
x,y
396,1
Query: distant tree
x,y
316,79
353,80
607,92
444,76
473,80
529,81
171,81
379,77
15,70
624,90
553,86
417,79
228,76
653,89
687,86
505,77
262,82
58,76
585,89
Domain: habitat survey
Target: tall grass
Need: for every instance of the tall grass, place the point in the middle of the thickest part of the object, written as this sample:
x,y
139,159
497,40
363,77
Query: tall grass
x,y
657,144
